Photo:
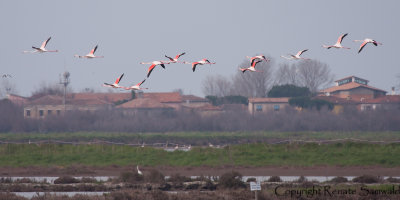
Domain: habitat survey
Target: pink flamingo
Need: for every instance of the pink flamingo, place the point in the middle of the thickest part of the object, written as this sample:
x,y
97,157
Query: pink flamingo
x,y
153,65
115,84
201,62
90,54
175,60
251,68
42,48
136,87
338,44
365,42
255,58
297,56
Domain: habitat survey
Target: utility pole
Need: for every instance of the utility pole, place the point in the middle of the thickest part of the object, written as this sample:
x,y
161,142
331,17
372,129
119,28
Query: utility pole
x,y
64,80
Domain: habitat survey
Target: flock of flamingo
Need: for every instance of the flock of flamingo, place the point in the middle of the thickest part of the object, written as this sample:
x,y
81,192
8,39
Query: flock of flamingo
x,y
252,68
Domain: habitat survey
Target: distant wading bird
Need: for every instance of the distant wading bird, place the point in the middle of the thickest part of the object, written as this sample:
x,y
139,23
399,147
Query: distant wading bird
x,y
138,171
251,68
90,54
115,84
297,56
136,87
201,62
175,60
42,48
338,44
365,42
153,65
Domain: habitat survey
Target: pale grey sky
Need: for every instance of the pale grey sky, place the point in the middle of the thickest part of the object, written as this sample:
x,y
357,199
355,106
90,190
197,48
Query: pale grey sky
x,y
224,31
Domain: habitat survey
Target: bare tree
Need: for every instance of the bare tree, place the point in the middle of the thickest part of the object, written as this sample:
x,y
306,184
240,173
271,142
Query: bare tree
x,y
287,74
253,84
398,82
7,87
88,90
49,89
314,75
217,86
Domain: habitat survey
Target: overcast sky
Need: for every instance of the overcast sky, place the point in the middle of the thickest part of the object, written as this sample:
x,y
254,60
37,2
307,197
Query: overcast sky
x,y
224,31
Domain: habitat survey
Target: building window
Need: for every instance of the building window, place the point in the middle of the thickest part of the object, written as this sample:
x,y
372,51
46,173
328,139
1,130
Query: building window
x,y
276,107
28,113
361,81
58,112
48,112
344,81
258,107
41,113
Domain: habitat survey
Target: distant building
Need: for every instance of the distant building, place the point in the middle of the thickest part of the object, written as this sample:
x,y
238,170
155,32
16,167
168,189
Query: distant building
x,y
194,101
143,103
267,104
388,102
353,88
339,104
52,105
17,100
145,106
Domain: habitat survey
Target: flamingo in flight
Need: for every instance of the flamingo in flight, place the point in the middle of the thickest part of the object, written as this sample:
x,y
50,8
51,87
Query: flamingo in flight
x,y
338,44
136,87
175,60
255,58
153,65
42,48
251,68
297,56
365,42
90,54
115,84
6,76
201,62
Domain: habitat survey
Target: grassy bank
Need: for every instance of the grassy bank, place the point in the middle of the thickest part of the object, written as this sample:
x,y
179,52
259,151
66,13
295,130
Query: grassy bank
x,y
200,138
340,154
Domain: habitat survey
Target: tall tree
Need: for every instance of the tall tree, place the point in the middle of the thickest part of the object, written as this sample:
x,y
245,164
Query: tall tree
x,y
253,84
217,85
314,75
288,90
7,87
287,74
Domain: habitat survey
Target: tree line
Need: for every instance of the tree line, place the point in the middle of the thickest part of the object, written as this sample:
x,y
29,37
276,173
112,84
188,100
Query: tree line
x,y
288,119
311,74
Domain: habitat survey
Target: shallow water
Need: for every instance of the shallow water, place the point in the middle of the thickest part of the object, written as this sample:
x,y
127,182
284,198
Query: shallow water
x,y
50,179
29,195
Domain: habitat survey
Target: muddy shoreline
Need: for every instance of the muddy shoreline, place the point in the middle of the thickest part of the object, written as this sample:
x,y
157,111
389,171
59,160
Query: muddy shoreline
x,y
80,170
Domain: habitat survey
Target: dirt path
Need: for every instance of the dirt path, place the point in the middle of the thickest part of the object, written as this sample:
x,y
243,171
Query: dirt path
x,y
196,171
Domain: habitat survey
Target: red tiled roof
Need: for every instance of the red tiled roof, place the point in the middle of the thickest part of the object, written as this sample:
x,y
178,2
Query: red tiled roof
x,y
349,86
16,99
269,100
336,100
383,100
109,97
164,97
47,100
143,103
57,100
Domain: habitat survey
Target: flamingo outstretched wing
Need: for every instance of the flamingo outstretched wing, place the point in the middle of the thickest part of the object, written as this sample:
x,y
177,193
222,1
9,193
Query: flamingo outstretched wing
x,y
45,43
